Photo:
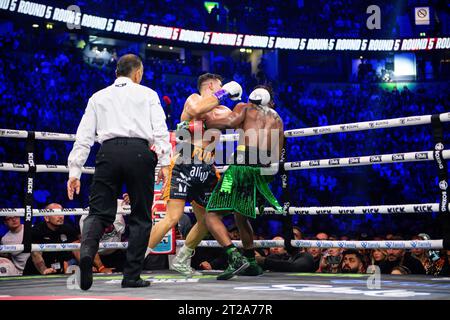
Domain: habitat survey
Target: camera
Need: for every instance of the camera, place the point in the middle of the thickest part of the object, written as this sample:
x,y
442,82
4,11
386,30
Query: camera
x,y
333,259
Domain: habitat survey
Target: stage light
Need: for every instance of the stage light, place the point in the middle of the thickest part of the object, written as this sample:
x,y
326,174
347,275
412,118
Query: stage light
x,y
160,46
149,45
241,50
35,25
171,48
209,5
404,65
248,50
49,26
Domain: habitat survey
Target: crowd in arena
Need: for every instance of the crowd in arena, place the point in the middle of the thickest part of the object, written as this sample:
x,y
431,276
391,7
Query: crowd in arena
x,y
55,229
47,90
269,18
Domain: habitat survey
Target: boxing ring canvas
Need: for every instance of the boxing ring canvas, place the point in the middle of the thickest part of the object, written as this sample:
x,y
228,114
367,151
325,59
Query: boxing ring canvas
x,y
168,285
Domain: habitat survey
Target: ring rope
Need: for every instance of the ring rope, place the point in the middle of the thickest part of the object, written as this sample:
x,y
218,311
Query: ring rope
x,y
125,210
289,166
312,131
371,244
365,125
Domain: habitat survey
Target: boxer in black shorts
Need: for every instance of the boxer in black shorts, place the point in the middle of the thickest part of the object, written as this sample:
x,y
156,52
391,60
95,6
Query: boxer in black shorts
x,y
192,175
192,182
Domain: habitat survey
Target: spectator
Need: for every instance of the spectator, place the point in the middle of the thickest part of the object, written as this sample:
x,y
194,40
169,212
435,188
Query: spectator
x,y
52,230
399,257
322,236
330,261
400,270
297,233
316,253
277,250
445,271
378,256
352,262
281,261
13,237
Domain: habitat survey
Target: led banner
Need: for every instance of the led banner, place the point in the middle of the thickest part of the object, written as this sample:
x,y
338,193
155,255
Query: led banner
x,y
75,19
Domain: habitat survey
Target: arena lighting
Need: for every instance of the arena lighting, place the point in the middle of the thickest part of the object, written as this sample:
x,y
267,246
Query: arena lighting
x,y
242,50
35,25
146,30
160,46
404,65
171,48
149,45
248,50
49,26
209,5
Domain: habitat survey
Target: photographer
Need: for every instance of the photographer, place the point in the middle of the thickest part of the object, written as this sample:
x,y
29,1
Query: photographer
x,y
330,261
281,261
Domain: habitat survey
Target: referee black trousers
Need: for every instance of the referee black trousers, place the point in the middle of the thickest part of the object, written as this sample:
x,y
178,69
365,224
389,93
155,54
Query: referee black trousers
x,y
121,161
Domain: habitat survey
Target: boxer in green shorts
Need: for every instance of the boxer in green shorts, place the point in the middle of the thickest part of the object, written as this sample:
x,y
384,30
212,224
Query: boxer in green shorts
x,y
244,185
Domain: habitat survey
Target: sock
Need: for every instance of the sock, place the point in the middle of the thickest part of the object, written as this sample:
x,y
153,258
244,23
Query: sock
x,y
249,253
229,249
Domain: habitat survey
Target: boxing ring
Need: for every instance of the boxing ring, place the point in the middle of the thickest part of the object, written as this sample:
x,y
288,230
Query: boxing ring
x,y
274,286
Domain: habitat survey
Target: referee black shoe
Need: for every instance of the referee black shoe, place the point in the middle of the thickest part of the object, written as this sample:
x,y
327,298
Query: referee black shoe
x,y
139,283
85,273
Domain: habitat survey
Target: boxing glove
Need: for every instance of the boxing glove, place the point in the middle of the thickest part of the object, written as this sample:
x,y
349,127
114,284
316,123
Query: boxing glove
x,y
232,89
260,97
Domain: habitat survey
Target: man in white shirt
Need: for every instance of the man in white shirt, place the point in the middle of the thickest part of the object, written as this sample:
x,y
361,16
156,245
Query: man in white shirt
x,y
13,237
127,118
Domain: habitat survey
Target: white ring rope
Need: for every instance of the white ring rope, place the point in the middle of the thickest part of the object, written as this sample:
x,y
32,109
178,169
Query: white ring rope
x,y
366,125
372,244
313,131
335,210
365,160
288,166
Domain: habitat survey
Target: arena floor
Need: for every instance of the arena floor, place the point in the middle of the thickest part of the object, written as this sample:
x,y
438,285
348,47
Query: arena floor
x,y
168,285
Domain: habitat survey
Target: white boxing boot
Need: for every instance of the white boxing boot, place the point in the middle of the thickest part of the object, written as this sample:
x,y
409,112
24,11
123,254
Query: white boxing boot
x,y
182,262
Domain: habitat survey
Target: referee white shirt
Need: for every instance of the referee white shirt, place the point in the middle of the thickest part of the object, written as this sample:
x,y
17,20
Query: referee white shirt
x,y
124,109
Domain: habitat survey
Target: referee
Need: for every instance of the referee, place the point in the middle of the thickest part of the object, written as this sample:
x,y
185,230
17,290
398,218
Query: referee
x,y
127,119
